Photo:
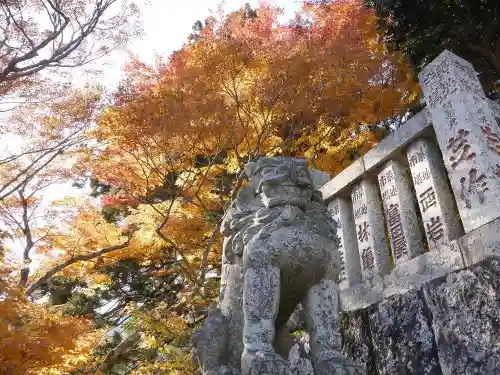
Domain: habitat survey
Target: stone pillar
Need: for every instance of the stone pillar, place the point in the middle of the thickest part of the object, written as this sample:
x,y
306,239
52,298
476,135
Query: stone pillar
x,y
350,274
400,216
468,136
370,230
436,204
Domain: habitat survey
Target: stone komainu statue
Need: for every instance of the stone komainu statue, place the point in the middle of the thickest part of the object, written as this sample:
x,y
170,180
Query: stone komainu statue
x,y
280,250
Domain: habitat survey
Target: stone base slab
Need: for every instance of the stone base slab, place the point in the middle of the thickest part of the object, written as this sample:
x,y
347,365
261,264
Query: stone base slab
x,y
404,277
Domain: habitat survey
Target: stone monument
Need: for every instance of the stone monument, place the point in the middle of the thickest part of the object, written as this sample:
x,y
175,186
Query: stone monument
x,y
468,136
280,252
402,224
370,231
441,223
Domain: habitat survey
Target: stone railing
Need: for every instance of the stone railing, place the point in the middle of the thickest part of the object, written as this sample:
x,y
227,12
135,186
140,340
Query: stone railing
x,y
425,201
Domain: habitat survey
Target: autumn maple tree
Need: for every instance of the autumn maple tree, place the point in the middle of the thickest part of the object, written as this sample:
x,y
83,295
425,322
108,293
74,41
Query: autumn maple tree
x,y
179,131
41,44
44,120
140,254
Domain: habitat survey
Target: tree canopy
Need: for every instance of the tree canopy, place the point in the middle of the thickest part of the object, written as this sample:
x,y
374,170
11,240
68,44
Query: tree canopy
x,y
422,29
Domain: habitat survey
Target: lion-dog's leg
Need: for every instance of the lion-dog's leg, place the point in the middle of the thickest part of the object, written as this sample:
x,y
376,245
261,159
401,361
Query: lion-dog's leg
x,y
261,295
321,305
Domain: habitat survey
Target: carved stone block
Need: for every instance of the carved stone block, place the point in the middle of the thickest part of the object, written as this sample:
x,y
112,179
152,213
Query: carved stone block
x,y
468,136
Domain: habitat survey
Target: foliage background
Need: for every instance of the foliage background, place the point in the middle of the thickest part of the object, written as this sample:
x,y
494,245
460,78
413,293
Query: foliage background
x,y
126,269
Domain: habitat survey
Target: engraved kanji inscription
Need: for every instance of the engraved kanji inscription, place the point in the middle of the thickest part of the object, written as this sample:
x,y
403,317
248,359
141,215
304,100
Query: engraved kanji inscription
x,y
456,76
420,177
460,148
342,274
473,185
389,176
417,157
357,194
435,229
389,193
492,139
363,232
432,81
334,209
427,199
367,259
382,180
396,231
448,114
360,211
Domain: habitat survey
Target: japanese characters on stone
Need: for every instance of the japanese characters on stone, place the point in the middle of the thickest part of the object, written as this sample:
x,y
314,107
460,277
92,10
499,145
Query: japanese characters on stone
x,y
468,136
396,234
350,273
433,194
370,230
362,228
404,234
334,210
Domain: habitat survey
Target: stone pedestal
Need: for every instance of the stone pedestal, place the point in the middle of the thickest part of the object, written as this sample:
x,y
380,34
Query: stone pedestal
x,y
370,230
403,339
401,219
437,208
465,309
350,274
468,136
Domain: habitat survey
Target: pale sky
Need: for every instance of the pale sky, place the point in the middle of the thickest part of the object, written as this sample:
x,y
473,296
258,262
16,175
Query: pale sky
x,y
168,23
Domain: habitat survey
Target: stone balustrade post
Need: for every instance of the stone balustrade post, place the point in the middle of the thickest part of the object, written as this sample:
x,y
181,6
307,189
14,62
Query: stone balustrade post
x,y
370,230
400,216
468,136
439,214
350,274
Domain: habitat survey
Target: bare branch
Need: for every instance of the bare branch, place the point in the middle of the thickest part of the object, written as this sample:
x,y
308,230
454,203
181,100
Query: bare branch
x,y
80,258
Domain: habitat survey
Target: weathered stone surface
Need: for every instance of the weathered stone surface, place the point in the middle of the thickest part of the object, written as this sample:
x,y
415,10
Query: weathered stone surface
x,y
350,272
405,276
495,107
468,136
422,269
280,250
437,209
343,179
300,356
370,231
402,336
318,178
356,339
361,296
400,215
481,243
465,308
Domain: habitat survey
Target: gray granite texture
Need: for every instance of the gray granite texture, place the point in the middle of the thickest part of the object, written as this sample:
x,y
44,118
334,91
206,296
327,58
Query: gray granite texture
x,y
465,309
280,250
402,336
448,326
356,339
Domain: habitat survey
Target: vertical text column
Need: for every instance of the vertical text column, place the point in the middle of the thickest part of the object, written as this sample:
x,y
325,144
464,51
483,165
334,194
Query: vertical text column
x,y
468,136
401,219
438,211
350,274
370,230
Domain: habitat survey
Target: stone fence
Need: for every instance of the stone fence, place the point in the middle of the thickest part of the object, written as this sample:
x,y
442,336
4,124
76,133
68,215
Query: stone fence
x,y
426,201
